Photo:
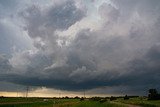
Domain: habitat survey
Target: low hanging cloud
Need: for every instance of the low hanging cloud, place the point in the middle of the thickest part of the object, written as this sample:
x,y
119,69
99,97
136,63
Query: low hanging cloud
x,y
123,51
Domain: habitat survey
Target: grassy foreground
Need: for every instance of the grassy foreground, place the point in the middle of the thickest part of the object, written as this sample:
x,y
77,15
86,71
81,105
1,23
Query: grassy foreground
x,y
97,104
140,101
41,102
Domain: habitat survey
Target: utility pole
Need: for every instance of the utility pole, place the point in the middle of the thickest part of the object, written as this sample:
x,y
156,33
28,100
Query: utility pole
x,y
17,93
27,90
59,94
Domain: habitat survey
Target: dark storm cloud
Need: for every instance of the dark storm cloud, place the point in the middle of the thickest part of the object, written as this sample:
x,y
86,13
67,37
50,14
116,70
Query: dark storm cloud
x,y
123,52
11,87
64,15
56,17
144,71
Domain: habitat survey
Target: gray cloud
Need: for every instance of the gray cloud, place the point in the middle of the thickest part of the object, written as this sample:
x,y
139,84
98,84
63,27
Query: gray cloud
x,y
122,52
7,5
9,36
108,12
5,66
56,17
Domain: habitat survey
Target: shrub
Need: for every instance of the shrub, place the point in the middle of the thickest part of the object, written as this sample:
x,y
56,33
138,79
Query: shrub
x,y
126,97
82,99
103,100
95,99
113,98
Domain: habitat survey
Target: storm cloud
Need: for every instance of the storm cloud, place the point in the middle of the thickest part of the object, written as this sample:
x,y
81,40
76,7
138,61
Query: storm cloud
x,y
116,46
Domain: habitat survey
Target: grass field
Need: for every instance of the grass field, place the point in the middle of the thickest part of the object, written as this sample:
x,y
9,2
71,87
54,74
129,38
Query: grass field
x,y
33,102
37,102
41,102
141,101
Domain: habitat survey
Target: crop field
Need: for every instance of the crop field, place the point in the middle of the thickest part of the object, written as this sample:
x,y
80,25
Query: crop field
x,y
55,102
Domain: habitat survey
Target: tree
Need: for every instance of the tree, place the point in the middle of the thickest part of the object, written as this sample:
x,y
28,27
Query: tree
x,y
113,98
153,95
126,97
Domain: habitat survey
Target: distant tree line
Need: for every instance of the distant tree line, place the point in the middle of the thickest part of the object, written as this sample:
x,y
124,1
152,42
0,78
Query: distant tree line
x,y
153,95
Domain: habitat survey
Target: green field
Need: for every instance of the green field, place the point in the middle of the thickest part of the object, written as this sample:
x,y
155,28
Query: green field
x,y
53,102
140,101
39,102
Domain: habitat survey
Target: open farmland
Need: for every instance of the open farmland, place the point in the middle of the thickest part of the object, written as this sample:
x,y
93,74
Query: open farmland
x,y
55,102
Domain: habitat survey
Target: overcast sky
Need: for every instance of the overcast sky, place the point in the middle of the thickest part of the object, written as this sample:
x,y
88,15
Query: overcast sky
x,y
109,46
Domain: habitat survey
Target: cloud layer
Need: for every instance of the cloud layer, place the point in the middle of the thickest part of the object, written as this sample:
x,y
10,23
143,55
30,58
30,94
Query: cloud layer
x,y
117,45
